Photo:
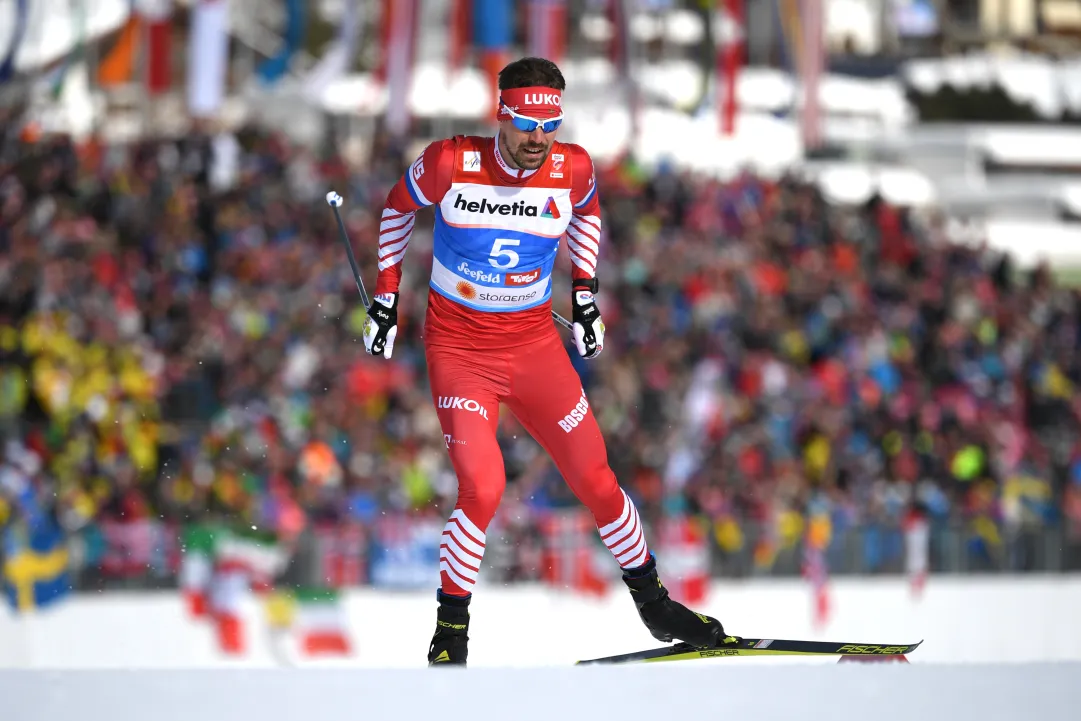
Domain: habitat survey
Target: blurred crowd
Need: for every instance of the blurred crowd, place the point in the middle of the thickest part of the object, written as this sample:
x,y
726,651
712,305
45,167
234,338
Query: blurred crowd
x,y
180,340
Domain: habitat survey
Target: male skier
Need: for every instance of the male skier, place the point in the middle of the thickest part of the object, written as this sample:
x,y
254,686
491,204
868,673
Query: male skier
x,y
501,206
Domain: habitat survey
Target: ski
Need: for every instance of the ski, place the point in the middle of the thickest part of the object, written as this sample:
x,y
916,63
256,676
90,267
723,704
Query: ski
x,y
756,647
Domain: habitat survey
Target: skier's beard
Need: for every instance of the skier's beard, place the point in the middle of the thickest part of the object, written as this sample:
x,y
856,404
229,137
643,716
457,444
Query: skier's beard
x,y
521,155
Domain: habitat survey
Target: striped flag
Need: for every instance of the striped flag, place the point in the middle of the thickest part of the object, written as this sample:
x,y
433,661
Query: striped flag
x,y
314,617
399,53
812,58
547,20
197,568
321,623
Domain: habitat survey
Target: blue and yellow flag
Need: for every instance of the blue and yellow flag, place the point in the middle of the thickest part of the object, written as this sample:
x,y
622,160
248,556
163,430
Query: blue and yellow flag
x,y
35,572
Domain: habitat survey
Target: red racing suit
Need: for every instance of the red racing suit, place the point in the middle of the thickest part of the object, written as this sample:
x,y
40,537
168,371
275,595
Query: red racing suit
x,y
489,336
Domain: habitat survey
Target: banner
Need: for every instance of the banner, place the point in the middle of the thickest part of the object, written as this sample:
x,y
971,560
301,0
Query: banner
x,y
337,60
492,28
159,44
547,21
129,547
272,69
812,59
399,55
208,57
620,53
405,552
460,33
730,58
342,554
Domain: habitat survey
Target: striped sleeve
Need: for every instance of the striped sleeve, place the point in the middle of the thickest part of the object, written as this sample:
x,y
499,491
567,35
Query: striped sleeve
x,y
584,231
424,184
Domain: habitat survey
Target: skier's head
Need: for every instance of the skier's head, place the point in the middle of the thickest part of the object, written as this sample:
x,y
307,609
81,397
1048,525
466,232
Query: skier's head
x,y
530,109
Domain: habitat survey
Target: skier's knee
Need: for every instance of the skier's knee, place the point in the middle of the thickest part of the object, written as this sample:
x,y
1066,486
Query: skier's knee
x,y
480,501
600,493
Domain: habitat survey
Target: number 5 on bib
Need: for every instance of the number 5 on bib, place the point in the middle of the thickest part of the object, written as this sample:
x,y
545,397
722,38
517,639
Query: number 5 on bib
x,y
499,251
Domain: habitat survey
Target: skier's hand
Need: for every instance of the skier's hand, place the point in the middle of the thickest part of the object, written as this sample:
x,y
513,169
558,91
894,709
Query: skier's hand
x,y
588,328
381,327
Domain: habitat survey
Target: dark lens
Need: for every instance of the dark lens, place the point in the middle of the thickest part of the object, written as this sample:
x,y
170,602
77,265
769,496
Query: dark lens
x,y
525,125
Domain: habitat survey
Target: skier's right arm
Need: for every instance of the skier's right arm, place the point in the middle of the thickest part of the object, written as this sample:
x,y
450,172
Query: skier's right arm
x,y
424,184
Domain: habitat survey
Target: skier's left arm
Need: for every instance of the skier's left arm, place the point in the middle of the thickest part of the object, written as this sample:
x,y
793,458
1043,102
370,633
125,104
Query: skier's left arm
x,y
583,242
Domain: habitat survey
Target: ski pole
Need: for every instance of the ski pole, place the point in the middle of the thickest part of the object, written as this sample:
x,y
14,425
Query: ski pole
x,y
335,201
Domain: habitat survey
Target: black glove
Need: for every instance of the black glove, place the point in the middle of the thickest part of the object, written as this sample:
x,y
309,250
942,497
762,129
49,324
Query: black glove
x,y
588,328
381,327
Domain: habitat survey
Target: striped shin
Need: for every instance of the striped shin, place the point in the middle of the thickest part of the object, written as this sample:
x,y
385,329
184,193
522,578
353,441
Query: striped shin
x,y
461,549
625,537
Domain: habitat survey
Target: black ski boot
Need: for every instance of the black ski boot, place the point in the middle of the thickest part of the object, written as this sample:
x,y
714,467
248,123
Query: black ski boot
x,y
668,620
451,639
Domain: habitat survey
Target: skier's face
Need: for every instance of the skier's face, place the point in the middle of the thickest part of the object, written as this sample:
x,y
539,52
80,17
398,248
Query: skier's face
x,y
527,150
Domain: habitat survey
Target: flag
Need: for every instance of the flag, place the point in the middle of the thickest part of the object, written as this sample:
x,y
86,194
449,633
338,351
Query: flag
x,y
815,567
812,57
118,67
684,545
229,586
256,554
78,17
7,66
459,34
337,60
619,53
35,573
208,56
547,20
492,27
159,44
197,568
314,617
917,550
321,622
399,54
272,69
730,58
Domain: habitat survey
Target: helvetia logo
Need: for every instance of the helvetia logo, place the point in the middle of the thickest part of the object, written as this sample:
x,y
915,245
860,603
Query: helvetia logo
x,y
518,208
551,210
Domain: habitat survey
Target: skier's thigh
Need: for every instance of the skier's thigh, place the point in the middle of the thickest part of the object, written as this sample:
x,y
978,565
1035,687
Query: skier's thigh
x,y
547,397
466,402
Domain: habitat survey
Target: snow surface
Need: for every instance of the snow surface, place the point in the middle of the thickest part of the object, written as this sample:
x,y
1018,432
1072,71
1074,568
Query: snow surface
x,y
663,691
960,620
